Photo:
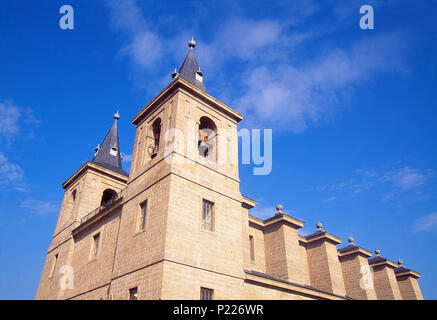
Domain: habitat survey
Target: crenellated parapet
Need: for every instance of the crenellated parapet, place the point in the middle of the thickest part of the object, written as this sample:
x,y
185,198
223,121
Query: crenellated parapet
x,y
314,261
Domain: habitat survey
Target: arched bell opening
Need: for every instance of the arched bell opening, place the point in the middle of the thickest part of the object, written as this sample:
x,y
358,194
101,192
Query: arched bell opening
x,y
207,139
108,197
156,127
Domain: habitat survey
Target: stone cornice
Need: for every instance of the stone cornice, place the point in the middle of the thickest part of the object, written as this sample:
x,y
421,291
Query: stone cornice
x,y
263,279
181,84
96,168
380,261
357,250
247,202
410,273
322,235
401,271
284,218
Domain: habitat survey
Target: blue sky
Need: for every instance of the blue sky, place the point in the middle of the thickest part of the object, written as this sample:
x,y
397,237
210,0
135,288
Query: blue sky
x,y
353,111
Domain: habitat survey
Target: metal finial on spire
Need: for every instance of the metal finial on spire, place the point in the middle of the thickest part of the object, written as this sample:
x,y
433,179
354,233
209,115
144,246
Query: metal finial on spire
x,y
108,152
174,74
189,70
192,43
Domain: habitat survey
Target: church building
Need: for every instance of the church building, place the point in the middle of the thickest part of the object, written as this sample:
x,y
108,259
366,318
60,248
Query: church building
x,y
177,227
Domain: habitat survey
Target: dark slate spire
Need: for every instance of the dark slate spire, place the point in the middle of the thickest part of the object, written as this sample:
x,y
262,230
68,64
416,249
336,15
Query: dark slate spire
x,y
190,70
108,154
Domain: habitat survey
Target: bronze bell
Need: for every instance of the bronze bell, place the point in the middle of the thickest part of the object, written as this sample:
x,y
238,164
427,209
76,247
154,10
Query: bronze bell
x,y
204,148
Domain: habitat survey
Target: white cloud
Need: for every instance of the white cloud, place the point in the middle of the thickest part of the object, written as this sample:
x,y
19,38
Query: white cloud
x,y
406,178
9,116
239,38
145,46
11,119
276,90
397,181
39,207
330,199
145,49
426,223
11,175
125,15
290,97
127,158
367,173
355,186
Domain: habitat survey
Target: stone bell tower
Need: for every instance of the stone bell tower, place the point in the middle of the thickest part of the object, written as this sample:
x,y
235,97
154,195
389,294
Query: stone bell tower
x,y
91,188
185,169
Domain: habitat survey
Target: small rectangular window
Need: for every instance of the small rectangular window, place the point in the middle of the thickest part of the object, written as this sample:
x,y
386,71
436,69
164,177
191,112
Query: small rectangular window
x,y
143,216
55,261
207,215
252,248
206,294
133,294
95,248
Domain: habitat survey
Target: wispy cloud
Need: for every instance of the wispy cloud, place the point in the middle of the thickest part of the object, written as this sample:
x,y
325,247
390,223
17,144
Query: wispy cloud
x,y
144,46
39,207
12,119
241,38
271,85
11,175
426,223
406,178
127,158
354,186
291,97
330,199
399,181
9,116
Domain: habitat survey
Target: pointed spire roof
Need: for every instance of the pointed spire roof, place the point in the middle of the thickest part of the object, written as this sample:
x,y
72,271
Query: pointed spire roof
x,y
108,154
190,70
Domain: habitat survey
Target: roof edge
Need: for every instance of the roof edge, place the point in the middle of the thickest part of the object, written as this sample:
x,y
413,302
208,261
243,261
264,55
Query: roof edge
x,y
180,83
94,167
